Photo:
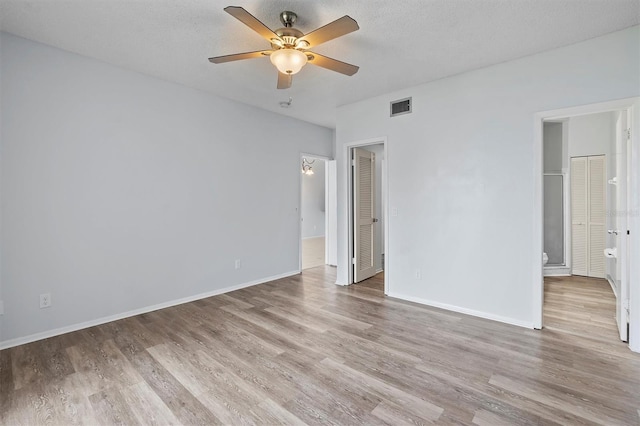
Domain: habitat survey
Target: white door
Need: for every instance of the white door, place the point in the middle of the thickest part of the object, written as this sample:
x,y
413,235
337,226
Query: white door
x,y
596,222
579,216
588,218
331,196
363,210
622,152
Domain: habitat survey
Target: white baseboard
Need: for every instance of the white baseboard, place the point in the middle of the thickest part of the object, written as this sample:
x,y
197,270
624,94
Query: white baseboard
x,y
556,271
462,310
79,326
613,285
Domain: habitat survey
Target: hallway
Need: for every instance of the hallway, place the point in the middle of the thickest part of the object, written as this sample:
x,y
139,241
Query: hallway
x,y
581,306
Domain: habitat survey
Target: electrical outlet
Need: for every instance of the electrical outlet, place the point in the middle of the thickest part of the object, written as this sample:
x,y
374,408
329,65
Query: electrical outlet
x,y
394,211
418,274
45,300
238,264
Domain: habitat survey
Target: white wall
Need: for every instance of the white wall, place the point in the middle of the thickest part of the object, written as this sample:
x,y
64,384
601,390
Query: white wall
x,y
121,191
591,134
461,172
313,200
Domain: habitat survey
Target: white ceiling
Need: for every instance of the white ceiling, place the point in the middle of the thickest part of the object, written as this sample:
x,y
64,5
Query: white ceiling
x,y
400,43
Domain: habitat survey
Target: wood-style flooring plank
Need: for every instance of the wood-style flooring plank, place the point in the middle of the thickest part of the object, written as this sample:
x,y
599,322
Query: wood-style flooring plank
x,y
301,350
146,405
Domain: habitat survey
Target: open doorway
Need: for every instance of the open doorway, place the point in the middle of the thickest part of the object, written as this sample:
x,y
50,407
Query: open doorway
x,y
586,197
313,211
581,282
368,222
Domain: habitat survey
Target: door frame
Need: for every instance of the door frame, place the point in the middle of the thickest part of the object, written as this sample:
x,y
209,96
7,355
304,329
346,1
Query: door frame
x,y
384,190
325,159
632,104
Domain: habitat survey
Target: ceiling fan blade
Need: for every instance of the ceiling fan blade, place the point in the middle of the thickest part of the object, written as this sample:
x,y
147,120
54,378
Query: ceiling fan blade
x,y
251,21
239,56
284,80
337,28
332,64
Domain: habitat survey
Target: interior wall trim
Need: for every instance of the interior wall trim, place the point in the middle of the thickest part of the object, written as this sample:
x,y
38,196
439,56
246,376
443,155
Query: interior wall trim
x,y
557,271
613,285
472,312
79,326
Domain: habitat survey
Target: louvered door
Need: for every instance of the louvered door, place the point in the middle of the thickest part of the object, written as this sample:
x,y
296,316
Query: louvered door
x,y
363,208
588,216
579,186
596,223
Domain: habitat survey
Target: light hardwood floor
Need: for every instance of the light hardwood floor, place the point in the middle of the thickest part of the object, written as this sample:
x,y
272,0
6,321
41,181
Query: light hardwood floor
x,y
303,350
312,252
581,306
374,283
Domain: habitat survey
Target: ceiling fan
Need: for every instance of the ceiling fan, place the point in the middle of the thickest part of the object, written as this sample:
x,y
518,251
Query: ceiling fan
x,y
289,46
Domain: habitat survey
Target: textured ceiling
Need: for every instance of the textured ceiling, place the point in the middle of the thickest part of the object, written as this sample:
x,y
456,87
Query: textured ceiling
x,y
399,44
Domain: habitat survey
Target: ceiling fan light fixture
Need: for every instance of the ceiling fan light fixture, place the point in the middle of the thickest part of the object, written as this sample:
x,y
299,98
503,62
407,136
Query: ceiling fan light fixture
x,y
288,61
289,45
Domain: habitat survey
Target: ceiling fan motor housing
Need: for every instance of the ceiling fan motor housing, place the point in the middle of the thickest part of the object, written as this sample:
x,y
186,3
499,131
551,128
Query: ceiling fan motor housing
x,y
288,18
288,35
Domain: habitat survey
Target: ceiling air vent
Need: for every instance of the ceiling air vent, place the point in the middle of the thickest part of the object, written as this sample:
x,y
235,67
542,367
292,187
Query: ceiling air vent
x,y
403,106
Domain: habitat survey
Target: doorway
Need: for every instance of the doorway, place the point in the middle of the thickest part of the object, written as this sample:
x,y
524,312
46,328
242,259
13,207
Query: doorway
x,y
368,227
585,198
313,211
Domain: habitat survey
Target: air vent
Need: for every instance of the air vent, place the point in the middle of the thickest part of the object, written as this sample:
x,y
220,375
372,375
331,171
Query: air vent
x,y
403,106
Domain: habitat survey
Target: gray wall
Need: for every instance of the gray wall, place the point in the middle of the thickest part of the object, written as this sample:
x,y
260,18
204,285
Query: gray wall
x,y
313,200
121,191
461,172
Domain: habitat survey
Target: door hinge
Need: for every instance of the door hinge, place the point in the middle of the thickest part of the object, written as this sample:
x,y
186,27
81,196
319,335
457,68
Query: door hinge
x,y
353,163
625,305
629,133
353,260
627,232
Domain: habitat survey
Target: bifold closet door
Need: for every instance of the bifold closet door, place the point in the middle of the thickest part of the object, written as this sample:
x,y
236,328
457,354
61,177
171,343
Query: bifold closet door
x,y
597,217
588,220
579,186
